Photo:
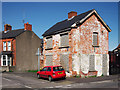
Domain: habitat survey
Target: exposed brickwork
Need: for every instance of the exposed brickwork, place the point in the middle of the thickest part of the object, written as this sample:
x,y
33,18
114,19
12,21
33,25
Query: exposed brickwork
x,y
7,27
71,14
28,26
13,48
80,42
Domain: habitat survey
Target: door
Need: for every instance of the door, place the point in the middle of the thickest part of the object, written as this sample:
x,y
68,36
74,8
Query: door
x,y
43,72
48,72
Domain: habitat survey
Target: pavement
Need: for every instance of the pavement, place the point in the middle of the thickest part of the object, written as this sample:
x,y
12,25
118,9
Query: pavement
x,y
72,79
29,80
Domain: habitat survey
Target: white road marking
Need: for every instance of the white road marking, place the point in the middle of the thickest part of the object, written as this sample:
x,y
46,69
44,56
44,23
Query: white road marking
x,y
42,82
28,86
7,79
49,87
58,86
102,81
68,85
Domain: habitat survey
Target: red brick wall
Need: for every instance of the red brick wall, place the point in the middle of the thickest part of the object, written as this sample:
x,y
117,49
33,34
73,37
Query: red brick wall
x,y
80,41
86,30
13,48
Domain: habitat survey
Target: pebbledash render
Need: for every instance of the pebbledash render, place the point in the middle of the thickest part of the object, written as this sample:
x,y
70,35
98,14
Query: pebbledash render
x,y
79,44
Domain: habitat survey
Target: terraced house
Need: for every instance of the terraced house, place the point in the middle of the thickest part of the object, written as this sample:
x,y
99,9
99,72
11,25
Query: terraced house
x,y
19,47
79,44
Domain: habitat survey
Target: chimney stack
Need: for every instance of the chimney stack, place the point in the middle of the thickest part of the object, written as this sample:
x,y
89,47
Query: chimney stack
x,y
71,14
7,27
27,26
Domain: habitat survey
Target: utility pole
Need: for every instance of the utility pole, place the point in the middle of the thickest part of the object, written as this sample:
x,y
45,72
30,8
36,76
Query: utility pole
x,y
38,54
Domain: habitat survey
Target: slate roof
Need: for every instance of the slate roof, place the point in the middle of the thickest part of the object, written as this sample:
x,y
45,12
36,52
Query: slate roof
x,y
12,33
65,24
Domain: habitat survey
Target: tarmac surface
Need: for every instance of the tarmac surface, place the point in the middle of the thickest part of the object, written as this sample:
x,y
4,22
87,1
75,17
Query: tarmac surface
x,y
29,80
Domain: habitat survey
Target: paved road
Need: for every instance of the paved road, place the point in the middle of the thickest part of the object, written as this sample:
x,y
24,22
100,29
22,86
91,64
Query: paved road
x,y
25,80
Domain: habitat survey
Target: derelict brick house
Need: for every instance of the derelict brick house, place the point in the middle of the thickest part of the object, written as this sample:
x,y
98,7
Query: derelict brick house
x,y
79,44
19,48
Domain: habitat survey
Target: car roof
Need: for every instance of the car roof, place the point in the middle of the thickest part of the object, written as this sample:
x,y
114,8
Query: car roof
x,y
53,66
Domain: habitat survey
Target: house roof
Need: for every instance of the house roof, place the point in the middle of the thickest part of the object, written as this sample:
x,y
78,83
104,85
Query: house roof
x,y
68,24
12,33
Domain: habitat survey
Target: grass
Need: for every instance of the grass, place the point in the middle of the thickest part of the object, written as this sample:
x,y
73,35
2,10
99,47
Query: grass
x,y
32,70
92,76
10,71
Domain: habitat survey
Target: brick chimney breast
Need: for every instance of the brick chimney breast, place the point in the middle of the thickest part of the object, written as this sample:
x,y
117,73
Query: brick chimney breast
x,y
27,26
71,14
7,27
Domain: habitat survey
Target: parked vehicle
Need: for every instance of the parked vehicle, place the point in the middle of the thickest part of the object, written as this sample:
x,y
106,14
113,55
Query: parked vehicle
x,y
51,72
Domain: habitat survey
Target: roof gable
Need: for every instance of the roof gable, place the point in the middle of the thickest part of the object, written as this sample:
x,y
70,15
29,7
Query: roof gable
x,y
68,24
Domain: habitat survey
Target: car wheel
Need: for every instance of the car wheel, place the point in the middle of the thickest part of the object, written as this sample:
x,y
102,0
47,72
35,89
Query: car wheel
x,y
50,78
38,76
64,77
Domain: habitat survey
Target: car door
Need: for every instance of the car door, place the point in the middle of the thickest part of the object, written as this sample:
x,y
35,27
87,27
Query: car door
x,y
43,72
48,72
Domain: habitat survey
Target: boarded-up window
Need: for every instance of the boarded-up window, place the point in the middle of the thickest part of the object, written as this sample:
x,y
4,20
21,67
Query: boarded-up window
x,y
64,60
64,40
95,39
91,63
49,60
104,64
49,42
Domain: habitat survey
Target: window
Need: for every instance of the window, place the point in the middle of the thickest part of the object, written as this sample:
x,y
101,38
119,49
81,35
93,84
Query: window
x,y
49,61
58,68
44,69
4,60
92,62
95,39
4,46
9,64
49,42
64,40
49,69
64,61
9,46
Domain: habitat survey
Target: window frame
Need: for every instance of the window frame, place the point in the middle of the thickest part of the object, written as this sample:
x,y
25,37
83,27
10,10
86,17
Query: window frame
x,y
44,68
4,46
47,48
65,46
8,46
49,69
97,45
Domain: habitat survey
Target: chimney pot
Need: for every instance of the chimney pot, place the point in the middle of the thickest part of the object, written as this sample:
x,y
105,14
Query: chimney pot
x,y
7,27
27,26
71,14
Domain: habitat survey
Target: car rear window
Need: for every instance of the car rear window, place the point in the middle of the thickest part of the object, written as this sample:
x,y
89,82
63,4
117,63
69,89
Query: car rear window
x,y
60,68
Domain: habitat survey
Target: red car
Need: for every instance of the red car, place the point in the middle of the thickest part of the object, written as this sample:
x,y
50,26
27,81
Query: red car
x,y
52,72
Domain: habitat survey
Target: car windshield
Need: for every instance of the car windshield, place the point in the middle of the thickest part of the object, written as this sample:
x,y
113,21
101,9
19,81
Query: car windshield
x,y
60,68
